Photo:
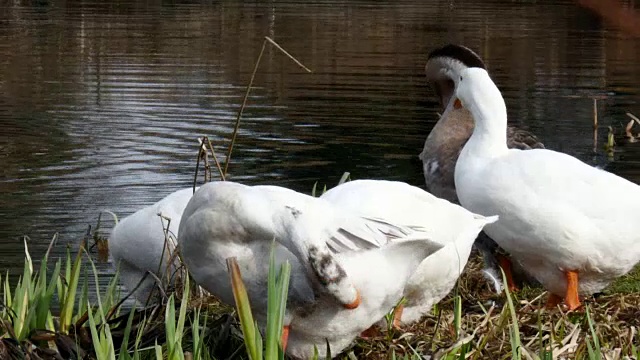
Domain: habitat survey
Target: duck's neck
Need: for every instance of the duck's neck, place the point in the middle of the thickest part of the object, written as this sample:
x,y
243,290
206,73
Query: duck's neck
x,y
454,126
489,136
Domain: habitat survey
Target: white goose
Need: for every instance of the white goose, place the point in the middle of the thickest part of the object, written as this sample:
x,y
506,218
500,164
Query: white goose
x,y
445,141
347,271
137,242
572,226
449,224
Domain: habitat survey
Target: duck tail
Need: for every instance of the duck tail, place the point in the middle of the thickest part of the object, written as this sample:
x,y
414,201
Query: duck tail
x,y
481,221
476,227
486,220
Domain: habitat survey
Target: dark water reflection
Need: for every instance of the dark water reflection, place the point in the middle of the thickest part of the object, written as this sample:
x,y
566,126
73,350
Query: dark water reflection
x,y
101,102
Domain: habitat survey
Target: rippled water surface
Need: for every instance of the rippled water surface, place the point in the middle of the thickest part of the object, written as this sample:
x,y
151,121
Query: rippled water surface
x,y
102,102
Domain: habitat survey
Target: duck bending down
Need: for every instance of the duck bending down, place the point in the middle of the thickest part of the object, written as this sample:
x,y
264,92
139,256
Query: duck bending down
x,y
137,242
347,271
445,141
450,224
572,226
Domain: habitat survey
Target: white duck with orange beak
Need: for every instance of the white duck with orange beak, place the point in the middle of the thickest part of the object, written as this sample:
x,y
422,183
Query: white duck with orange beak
x,y
452,225
447,138
572,226
347,271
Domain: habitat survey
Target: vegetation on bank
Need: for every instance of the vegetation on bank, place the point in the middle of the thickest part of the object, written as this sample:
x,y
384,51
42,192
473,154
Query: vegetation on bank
x,y
471,323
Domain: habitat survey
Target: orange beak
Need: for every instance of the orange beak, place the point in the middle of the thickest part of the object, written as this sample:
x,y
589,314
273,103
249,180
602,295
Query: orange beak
x,y
457,104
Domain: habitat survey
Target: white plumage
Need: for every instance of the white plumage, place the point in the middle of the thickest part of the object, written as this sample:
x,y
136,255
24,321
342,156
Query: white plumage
x,y
558,215
335,255
449,224
137,242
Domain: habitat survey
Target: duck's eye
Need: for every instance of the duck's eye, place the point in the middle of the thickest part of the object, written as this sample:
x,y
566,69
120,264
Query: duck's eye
x,y
460,78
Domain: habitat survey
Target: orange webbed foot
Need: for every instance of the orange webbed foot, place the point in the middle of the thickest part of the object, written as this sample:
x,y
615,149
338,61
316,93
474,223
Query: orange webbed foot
x,y
505,264
571,299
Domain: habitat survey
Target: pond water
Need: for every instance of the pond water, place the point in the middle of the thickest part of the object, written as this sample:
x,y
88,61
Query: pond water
x,y
102,102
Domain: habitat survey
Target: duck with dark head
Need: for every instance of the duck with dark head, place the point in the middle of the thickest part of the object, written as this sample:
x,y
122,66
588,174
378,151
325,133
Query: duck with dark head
x,y
448,137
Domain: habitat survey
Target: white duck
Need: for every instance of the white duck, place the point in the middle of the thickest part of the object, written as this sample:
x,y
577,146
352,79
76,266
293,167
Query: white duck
x,y
449,224
347,271
455,126
445,141
137,242
572,226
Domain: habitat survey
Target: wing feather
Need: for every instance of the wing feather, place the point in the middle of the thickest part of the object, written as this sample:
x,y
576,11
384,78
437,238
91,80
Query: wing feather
x,y
368,233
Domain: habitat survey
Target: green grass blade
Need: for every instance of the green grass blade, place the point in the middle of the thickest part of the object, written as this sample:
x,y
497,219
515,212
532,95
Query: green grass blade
x,y
170,324
244,308
174,335
124,352
28,262
158,351
21,302
108,343
69,299
259,345
283,292
62,291
29,322
111,294
39,294
196,334
8,300
136,345
273,332
457,316
183,307
94,332
345,177
595,352
516,352
43,312
84,295
101,308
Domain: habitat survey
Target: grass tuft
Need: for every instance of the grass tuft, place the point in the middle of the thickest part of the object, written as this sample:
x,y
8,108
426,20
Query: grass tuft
x,y
472,323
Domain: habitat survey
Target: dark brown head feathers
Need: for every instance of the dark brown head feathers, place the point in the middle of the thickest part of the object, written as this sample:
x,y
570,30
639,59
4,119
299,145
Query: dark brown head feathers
x,y
460,53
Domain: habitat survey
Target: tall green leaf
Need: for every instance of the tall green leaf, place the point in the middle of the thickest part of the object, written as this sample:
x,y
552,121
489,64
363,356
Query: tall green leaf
x,y
69,299
244,309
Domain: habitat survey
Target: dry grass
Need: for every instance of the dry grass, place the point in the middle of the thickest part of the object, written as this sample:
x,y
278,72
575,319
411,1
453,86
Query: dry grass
x,y
485,332
483,329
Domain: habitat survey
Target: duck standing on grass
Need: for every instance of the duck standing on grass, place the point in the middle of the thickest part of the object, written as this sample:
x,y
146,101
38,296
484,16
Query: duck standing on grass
x,y
137,243
347,271
572,226
448,136
452,225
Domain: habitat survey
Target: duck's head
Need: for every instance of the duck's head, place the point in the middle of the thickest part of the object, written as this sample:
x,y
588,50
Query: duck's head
x,y
444,66
478,93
